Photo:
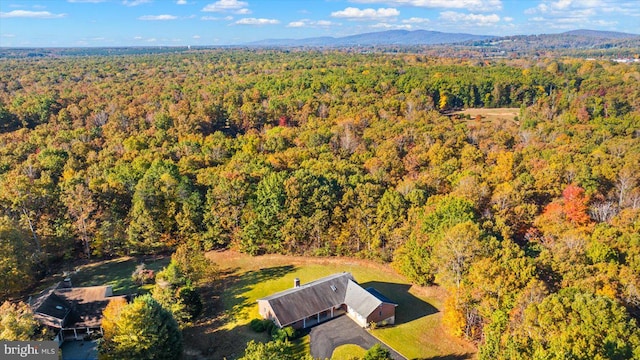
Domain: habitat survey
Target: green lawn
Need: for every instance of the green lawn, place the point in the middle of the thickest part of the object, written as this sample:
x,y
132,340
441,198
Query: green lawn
x,y
417,334
348,352
116,273
230,304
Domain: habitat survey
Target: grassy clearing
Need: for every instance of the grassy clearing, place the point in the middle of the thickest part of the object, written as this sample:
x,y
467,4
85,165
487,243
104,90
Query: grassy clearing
x,y
492,115
116,273
224,331
347,352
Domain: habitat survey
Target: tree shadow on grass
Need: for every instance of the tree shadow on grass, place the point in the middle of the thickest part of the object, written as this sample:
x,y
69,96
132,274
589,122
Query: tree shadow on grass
x,y
237,284
117,273
409,307
219,343
211,336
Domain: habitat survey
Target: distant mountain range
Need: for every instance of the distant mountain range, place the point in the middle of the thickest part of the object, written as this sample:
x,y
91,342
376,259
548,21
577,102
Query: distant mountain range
x,y
582,42
582,38
601,34
382,38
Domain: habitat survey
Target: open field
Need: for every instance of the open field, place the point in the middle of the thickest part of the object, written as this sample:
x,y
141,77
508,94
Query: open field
x,y
224,330
117,273
491,115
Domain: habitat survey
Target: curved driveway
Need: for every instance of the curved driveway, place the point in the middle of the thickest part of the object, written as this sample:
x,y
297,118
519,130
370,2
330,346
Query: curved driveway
x,y
340,331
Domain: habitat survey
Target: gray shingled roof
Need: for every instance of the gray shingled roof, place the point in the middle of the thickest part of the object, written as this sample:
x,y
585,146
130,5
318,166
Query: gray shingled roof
x,y
309,299
359,299
381,297
312,298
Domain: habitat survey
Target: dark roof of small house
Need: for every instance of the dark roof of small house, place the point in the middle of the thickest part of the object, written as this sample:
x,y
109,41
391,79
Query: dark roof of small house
x,y
309,299
88,303
85,303
380,297
49,305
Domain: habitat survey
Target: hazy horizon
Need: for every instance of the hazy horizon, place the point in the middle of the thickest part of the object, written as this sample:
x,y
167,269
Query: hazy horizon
x,y
105,23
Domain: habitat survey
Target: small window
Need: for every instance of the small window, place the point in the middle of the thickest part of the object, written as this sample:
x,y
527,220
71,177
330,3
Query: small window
x,y
380,313
333,288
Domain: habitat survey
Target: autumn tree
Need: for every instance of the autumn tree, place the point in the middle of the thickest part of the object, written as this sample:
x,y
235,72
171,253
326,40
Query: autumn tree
x,y
581,325
18,324
142,330
17,262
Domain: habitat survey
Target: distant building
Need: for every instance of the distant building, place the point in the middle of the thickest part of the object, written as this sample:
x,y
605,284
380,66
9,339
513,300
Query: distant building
x,y
306,305
75,313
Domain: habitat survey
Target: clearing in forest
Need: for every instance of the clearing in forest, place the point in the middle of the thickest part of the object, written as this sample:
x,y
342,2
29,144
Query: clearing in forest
x,y
491,115
224,330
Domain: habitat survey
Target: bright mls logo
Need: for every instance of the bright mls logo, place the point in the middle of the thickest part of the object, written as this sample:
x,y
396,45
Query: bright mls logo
x,y
36,350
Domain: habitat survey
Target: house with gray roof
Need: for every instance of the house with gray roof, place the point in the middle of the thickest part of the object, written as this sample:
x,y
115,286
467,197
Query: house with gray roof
x,y
306,305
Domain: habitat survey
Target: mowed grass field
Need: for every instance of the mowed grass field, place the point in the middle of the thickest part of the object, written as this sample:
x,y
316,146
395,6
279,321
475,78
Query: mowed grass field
x,y
117,273
500,115
231,305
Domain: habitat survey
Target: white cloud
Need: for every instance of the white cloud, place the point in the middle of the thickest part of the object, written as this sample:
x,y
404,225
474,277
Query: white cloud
x,y
181,2
472,5
157,17
560,14
391,26
86,1
137,38
310,23
324,23
152,40
476,19
562,8
232,6
217,18
507,18
196,36
416,20
131,3
30,14
254,21
8,35
352,13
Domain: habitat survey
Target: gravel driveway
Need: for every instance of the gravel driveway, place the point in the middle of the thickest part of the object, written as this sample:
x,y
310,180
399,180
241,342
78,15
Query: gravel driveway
x,y
340,331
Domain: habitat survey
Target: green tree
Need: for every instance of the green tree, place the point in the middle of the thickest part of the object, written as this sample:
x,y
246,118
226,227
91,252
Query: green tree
x,y
143,330
377,352
160,199
574,325
269,209
272,350
456,251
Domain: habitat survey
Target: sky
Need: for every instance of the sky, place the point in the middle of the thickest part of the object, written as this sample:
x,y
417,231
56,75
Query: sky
x,y
73,23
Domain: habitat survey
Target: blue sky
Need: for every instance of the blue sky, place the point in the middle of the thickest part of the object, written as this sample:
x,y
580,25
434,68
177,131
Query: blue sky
x,y
26,23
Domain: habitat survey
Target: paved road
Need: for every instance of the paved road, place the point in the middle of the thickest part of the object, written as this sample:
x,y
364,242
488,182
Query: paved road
x,y
340,331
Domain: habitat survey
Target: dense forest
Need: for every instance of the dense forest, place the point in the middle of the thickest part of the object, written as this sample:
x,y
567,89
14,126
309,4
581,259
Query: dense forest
x,y
524,222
